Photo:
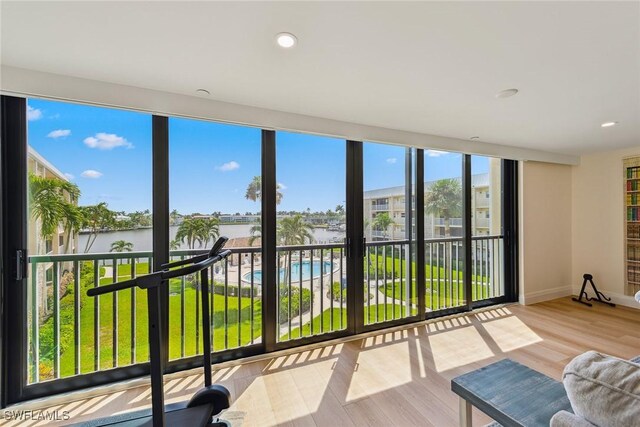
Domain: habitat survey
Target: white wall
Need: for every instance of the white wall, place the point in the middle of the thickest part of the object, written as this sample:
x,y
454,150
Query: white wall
x,y
545,231
598,222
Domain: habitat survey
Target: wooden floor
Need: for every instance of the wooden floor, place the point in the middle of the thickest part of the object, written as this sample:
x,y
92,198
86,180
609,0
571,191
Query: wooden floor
x,y
395,378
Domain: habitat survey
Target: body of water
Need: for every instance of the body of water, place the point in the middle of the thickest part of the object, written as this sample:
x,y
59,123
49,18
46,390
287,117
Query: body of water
x,y
142,238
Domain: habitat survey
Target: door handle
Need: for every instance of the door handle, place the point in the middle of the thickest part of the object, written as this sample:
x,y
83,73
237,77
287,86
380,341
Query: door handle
x,y
21,264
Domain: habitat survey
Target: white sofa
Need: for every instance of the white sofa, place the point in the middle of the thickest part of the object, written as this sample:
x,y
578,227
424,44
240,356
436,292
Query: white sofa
x,y
604,391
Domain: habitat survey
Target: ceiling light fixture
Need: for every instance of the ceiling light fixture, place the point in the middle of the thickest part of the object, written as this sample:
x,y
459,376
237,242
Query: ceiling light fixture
x,y
202,92
506,93
286,40
608,124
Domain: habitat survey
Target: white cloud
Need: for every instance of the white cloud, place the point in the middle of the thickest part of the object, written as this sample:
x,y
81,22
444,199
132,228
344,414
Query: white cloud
x,y
69,176
281,186
229,166
436,153
33,113
107,141
59,133
392,160
92,174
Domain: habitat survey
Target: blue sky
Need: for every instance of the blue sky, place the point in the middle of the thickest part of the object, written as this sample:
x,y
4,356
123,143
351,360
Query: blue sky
x,y
107,152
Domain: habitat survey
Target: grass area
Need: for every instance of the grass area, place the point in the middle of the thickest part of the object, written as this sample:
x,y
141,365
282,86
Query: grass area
x,y
323,323
438,295
231,311
232,325
395,264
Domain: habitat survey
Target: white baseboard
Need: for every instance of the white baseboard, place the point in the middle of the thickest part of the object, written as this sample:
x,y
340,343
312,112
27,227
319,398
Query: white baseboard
x,y
545,295
619,299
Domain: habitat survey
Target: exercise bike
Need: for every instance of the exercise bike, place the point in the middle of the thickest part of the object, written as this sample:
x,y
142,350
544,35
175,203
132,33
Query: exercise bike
x,y
207,402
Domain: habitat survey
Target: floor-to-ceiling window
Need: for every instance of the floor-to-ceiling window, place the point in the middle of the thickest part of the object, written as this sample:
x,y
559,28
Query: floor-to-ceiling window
x,y
413,232
444,230
389,267
215,185
89,224
310,234
487,243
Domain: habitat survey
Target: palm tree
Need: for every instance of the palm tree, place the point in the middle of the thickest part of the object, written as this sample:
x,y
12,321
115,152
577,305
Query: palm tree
x,y
190,231
49,205
444,200
381,222
173,216
121,246
254,190
96,218
256,233
73,220
294,230
174,245
207,230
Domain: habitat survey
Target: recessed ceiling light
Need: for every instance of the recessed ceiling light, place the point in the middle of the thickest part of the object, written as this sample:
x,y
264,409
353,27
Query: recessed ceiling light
x,y
474,138
506,93
286,40
608,124
202,92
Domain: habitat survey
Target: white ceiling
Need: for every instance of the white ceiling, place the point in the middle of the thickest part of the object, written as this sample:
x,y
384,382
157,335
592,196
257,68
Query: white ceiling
x,y
424,67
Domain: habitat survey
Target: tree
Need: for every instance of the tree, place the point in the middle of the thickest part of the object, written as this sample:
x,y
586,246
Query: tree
x,y
48,204
207,230
96,218
339,209
256,233
73,220
121,246
294,230
254,190
444,200
188,231
381,222
174,245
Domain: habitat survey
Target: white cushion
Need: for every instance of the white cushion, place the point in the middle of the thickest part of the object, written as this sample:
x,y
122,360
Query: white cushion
x,y
604,390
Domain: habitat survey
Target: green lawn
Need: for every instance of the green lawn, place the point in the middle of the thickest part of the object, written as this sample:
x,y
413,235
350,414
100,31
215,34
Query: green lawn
x,y
439,294
393,311
237,312
231,311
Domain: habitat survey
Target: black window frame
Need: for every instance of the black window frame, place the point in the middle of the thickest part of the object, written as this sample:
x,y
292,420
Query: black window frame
x,y
13,144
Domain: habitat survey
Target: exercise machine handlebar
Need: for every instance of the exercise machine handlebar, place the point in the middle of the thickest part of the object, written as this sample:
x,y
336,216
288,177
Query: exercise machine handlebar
x,y
155,279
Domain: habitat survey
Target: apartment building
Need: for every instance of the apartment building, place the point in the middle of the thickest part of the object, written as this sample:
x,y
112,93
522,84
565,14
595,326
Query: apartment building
x,y
56,244
485,209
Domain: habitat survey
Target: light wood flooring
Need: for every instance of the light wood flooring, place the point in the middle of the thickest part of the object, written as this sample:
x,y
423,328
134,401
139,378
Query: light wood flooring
x,y
393,378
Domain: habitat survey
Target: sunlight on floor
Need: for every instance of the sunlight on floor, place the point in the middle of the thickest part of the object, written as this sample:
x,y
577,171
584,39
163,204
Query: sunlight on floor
x,y
510,333
457,348
380,368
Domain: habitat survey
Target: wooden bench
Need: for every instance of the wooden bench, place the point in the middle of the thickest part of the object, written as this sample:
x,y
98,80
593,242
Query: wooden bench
x,y
511,394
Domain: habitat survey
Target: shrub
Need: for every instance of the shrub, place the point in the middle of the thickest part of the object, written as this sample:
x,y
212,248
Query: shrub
x,y
284,314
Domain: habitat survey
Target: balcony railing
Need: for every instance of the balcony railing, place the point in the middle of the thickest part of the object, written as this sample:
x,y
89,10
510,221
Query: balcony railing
x,y
482,202
453,222
380,207
481,222
72,334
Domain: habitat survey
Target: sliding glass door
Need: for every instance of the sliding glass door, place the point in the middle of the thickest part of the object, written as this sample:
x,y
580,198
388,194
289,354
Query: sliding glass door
x,y
215,185
310,236
388,204
328,238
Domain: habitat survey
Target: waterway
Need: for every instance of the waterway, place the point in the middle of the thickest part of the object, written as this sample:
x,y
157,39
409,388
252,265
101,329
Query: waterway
x,y
142,237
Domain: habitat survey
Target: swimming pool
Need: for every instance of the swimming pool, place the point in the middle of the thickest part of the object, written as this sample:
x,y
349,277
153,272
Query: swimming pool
x,y
296,272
